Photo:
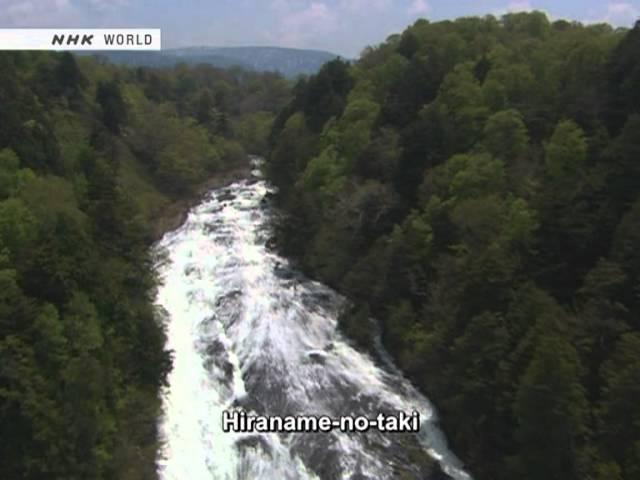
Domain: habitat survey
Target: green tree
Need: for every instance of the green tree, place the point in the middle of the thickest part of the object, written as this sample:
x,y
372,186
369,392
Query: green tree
x,y
551,410
114,109
620,415
505,135
68,77
17,228
9,163
566,151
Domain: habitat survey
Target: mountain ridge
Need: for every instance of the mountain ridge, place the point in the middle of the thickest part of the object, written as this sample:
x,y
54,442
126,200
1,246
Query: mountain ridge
x,y
290,62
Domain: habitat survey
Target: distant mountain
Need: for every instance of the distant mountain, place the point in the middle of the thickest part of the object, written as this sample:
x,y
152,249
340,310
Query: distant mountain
x,y
290,62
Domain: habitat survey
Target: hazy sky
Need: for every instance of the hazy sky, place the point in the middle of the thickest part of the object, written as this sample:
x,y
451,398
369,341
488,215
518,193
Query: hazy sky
x,y
341,26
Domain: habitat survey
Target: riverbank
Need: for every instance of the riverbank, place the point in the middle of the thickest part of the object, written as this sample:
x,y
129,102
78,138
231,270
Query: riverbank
x,y
176,212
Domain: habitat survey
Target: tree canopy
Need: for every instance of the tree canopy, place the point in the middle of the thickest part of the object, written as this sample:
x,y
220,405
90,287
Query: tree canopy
x,y
473,184
90,156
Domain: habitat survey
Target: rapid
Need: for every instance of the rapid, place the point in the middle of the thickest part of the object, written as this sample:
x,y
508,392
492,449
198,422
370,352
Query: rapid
x,y
249,332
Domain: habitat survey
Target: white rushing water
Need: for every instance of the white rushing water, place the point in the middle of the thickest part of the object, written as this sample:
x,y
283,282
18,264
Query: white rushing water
x,y
247,332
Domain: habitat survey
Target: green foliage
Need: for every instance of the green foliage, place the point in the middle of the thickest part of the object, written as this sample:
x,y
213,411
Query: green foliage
x,y
17,227
9,163
475,189
67,77
253,130
566,151
551,411
324,173
472,175
292,151
183,161
619,415
505,135
90,155
114,110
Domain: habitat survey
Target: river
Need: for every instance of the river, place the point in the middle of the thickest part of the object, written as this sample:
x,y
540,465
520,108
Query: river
x,y
248,332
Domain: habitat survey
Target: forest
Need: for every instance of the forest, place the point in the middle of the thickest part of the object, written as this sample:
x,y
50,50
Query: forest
x,y
91,154
474,186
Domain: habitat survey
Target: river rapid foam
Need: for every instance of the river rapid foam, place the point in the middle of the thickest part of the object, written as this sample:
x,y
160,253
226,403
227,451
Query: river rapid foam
x,y
248,332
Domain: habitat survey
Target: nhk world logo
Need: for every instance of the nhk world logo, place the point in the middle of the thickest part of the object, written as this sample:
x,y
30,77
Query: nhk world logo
x,y
80,39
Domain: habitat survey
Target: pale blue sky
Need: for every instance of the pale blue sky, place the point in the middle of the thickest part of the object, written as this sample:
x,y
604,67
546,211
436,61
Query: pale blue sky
x,y
341,26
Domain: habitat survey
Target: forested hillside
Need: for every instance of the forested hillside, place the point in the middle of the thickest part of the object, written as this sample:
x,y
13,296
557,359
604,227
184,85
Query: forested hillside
x,y
475,186
90,156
